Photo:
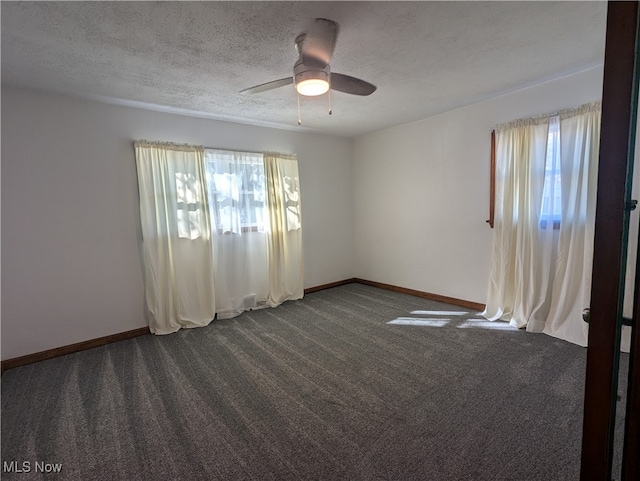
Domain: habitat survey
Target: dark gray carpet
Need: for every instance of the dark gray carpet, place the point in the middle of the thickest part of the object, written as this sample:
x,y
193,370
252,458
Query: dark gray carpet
x,y
321,388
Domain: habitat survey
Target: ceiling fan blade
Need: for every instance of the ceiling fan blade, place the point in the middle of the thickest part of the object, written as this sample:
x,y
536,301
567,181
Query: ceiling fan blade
x,y
268,86
351,85
320,41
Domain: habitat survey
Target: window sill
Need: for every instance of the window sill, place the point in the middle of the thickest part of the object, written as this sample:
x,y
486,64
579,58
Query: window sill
x,y
242,230
556,224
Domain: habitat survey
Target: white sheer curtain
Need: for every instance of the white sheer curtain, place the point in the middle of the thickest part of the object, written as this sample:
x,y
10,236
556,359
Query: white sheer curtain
x,y
237,201
176,233
542,253
285,228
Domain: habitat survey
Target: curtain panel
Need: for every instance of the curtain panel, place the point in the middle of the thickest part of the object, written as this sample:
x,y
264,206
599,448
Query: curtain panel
x,y
176,234
237,205
285,228
580,143
540,273
518,280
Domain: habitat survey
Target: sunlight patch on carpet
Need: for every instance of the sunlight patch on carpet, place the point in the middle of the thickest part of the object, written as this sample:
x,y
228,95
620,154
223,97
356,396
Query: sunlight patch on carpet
x,y
440,313
484,324
415,321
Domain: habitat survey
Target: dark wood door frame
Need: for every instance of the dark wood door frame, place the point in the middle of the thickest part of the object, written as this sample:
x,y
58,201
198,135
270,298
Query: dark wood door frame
x,y
611,232
631,452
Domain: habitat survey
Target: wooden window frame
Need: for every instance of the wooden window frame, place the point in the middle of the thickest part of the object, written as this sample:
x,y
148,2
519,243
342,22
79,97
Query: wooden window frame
x,y
492,181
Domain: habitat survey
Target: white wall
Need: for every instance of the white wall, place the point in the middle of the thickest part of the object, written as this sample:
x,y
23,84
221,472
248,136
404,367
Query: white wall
x,y
70,224
421,191
413,200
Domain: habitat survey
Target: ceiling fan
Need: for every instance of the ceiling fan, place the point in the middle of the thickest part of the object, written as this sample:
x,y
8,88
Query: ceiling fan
x,y
312,73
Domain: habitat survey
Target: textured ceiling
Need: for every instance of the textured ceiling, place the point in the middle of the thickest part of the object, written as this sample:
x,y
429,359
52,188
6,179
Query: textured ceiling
x,y
195,57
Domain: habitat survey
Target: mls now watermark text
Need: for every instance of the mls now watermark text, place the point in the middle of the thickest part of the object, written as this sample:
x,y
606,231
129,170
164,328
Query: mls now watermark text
x,y
28,466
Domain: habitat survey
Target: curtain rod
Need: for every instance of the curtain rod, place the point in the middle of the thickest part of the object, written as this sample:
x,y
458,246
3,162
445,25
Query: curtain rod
x,y
231,150
248,151
207,148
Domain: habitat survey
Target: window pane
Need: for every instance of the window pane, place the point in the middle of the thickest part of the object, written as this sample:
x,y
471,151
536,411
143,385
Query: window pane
x,y
189,203
236,190
551,210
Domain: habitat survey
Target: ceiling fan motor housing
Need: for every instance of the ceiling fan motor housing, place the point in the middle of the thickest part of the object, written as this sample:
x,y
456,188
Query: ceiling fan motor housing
x,y
302,71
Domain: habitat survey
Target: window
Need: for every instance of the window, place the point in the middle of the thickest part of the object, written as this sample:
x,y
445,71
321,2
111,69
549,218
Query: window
x,y
236,185
551,208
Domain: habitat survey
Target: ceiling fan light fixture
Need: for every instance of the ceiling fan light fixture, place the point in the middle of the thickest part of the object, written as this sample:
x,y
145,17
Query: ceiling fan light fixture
x,y
312,87
311,82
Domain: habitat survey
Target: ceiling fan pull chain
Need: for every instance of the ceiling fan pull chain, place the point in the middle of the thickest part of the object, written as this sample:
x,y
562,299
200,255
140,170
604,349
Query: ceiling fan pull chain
x,y
330,110
299,119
